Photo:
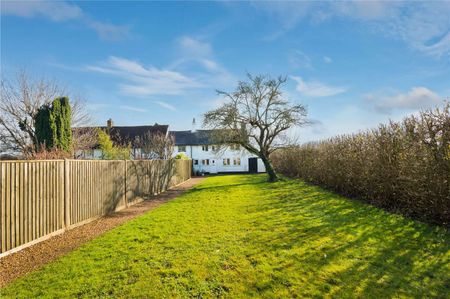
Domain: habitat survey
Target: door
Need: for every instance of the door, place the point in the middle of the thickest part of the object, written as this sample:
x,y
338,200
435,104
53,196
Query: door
x,y
213,166
253,165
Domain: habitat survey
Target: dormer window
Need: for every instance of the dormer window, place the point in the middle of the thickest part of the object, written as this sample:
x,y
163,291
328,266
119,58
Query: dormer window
x,y
205,148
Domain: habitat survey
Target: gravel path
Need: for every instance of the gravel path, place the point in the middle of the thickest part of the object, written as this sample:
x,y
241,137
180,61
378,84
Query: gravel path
x,y
34,257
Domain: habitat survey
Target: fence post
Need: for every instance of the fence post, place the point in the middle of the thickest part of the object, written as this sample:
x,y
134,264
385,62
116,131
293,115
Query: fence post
x,y
66,206
125,185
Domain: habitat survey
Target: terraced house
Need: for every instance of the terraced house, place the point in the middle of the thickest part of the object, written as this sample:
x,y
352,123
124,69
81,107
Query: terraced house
x,y
208,157
123,135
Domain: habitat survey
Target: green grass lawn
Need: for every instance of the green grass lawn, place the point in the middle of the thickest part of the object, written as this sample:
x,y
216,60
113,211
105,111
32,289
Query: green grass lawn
x,y
238,236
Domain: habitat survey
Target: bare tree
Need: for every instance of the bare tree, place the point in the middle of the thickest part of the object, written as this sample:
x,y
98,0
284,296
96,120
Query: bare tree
x,y
21,97
83,138
257,117
156,145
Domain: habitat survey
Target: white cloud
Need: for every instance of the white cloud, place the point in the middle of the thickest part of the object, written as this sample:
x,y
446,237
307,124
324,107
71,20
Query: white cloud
x,y
165,105
198,56
134,109
192,47
57,11
316,89
194,68
416,98
327,59
287,13
424,26
61,11
298,59
144,81
108,31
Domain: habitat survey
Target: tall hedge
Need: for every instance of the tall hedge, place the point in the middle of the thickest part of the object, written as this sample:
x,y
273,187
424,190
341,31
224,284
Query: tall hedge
x,y
53,125
60,120
401,166
42,128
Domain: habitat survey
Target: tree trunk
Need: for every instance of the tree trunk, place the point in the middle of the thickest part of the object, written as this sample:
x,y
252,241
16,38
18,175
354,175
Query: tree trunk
x,y
270,171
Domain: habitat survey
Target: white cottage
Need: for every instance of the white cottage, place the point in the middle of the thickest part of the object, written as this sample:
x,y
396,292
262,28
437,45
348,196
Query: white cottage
x,y
198,146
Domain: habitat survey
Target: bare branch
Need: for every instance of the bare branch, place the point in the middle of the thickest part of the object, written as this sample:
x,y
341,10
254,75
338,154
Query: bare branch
x,y
21,97
256,116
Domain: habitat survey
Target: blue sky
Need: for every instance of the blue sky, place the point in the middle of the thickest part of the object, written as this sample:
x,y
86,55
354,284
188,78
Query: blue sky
x,y
353,64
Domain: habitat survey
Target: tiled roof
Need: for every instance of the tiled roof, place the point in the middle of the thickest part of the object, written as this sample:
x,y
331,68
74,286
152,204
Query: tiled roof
x,y
125,135
197,137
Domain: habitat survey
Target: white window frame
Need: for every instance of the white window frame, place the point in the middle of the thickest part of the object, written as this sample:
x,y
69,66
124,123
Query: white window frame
x,y
226,162
235,160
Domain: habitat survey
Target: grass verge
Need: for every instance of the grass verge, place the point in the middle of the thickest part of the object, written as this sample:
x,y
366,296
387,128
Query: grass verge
x,y
238,236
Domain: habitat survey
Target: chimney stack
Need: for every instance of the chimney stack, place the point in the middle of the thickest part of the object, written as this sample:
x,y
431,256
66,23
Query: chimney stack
x,y
109,123
193,126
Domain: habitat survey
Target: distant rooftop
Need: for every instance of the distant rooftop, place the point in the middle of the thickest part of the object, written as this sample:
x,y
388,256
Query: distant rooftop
x,y
129,134
198,137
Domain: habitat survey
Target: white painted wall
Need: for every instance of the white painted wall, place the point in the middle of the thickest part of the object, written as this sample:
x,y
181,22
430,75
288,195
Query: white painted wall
x,y
195,152
136,153
216,159
89,154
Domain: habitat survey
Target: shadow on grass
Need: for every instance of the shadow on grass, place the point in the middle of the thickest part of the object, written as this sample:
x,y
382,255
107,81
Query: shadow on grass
x,y
354,246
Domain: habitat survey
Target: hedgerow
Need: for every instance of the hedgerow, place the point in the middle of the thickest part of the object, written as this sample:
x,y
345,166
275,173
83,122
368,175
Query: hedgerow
x,y
401,166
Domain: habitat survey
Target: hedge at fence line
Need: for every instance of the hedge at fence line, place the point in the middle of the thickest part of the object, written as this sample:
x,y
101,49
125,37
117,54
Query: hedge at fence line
x,y
402,166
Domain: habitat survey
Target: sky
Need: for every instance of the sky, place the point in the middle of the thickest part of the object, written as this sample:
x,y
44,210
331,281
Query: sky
x,y
353,64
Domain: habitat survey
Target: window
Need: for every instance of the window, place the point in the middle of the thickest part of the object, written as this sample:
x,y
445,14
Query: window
x,y
195,162
205,148
89,154
226,162
205,162
213,147
237,161
182,148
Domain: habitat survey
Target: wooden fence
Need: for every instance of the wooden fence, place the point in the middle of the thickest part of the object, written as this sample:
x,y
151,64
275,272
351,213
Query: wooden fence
x,y
42,198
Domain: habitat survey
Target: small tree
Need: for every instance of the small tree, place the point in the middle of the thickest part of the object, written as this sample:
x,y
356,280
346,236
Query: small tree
x,y
52,126
156,145
43,138
256,116
60,120
109,150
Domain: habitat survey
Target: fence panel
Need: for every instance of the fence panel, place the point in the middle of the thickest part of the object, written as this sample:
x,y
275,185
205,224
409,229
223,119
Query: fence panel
x,y
96,188
32,196
43,197
182,172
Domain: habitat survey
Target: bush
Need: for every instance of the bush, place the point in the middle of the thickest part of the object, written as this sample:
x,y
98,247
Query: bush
x,y
404,166
181,156
51,154
109,150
